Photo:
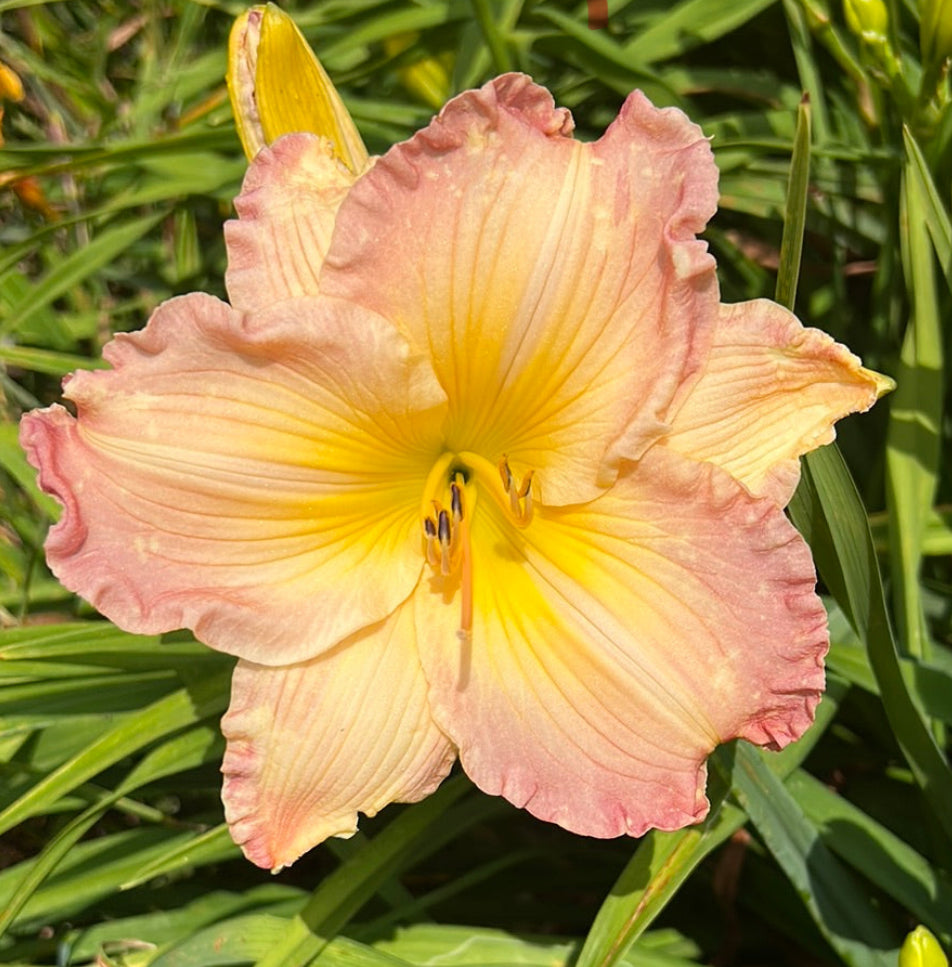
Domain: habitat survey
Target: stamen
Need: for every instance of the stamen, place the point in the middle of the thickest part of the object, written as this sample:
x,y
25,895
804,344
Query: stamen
x,y
525,495
505,474
520,498
443,528
456,502
443,533
446,534
429,531
446,531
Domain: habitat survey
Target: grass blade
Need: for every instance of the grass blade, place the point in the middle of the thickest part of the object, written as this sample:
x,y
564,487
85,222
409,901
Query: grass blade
x,y
795,211
840,906
827,509
181,708
915,417
352,884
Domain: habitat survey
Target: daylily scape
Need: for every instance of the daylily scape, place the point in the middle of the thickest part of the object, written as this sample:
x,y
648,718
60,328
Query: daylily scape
x,y
473,464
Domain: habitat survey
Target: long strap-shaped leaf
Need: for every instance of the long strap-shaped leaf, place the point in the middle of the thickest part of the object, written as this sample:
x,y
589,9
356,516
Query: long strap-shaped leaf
x,y
840,907
915,414
828,510
181,708
180,753
346,890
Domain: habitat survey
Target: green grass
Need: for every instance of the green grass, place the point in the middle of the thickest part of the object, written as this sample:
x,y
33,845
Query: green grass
x,y
112,843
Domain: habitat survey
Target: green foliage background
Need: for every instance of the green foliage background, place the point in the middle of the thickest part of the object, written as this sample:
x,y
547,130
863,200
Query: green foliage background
x,y
113,844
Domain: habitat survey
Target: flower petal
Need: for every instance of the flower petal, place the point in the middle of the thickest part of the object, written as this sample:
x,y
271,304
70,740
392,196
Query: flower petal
x,y
277,86
242,62
286,210
557,285
254,479
615,644
771,391
311,744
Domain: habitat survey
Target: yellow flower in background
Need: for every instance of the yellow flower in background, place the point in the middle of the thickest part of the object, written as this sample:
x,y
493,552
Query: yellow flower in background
x,y
11,89
921,949
935,31
428,77
868,19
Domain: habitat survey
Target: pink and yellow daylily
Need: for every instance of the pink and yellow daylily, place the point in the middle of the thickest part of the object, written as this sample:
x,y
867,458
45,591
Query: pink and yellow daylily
x,y
474,464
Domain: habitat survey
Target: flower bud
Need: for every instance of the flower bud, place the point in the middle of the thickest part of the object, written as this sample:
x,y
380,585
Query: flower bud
x,y
921,949
427,78
277,86
11,89
868,19
935,31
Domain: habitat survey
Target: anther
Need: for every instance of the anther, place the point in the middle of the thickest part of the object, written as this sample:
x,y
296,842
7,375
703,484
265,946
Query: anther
x,y
520,498
525,495
505,474
429,531
443,527
456,502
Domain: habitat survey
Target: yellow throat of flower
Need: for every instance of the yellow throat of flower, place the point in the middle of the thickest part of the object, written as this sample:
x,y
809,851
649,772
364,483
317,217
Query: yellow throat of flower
x,y
449,504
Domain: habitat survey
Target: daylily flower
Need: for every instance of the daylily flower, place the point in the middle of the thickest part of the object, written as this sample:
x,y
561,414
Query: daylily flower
x,y
474,464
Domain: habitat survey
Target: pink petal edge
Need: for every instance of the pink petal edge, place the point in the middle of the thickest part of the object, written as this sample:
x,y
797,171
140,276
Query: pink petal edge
x,y
616,644
310,745
191,489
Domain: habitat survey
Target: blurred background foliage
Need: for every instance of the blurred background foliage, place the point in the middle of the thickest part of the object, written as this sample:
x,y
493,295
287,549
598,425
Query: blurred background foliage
x,y
118,166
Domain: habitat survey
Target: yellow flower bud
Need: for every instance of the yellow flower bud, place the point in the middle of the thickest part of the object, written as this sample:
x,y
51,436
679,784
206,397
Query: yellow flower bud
x,y
277,86
921,949
935,31
427,78
868,19
11,87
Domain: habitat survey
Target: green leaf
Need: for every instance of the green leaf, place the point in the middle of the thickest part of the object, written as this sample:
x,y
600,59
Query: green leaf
x,y
182,708
13,460
930,203
165,927
495,40
795,212
689,24
915,417
879,854
211,846
178,754
245,940
92,869
829,513
840,906
350,886
79,265
427,943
